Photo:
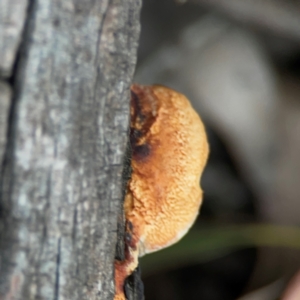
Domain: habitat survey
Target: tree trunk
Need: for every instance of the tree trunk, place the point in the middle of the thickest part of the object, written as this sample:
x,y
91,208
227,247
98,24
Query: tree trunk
x,y
65,67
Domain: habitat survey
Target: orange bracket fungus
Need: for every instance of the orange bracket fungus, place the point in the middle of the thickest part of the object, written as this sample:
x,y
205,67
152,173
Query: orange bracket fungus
x,y
169,153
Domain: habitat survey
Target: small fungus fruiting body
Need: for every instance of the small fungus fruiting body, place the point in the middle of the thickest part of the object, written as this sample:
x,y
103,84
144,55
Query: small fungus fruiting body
x,y
169,153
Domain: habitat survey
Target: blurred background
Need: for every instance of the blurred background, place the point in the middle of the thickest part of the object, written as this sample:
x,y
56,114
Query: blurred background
x,y
239,64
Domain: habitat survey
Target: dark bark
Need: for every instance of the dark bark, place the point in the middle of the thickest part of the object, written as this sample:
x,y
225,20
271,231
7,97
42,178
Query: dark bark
x,y
67,120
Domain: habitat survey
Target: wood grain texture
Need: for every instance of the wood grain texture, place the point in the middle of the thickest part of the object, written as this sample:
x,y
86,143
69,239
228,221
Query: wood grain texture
x,y
61,180
12,20
5,98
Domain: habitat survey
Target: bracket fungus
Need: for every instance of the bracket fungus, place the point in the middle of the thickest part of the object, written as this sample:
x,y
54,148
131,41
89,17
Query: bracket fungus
x,y
169,153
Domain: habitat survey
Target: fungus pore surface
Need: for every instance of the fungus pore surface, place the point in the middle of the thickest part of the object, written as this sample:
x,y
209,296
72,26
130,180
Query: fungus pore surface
x,y
169,153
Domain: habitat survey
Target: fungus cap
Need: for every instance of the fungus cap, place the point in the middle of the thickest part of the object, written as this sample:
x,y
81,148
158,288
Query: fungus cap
x,y
169,152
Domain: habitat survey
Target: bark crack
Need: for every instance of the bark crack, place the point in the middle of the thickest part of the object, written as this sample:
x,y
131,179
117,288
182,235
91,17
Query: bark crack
x,y
58,261
7,163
